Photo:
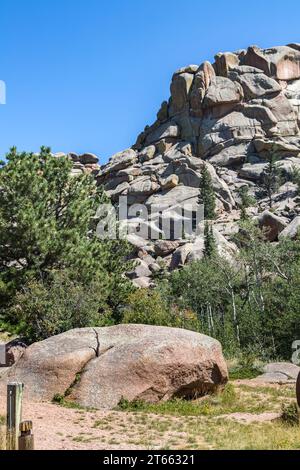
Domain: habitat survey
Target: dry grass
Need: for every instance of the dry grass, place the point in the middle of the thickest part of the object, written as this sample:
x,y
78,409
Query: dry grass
x,y
2,433
178,424
223,434
234,399
202,425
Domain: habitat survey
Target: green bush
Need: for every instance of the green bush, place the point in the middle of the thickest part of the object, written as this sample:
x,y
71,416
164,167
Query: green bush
x,y
290,414
148,307
247,365
44,309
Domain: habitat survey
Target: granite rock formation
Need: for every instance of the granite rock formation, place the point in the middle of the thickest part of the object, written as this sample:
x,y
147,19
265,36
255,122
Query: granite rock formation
x,y
229,116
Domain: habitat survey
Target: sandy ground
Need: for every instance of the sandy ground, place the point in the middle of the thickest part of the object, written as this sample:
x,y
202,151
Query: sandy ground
x,y
248,418
59,428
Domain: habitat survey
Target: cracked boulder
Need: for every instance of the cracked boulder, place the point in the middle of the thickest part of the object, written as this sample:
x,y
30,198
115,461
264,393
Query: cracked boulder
x,y
100,367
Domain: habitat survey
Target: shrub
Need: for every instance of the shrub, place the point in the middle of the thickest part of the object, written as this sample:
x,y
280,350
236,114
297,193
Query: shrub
x,y
47,308
247,365
149,308
290,414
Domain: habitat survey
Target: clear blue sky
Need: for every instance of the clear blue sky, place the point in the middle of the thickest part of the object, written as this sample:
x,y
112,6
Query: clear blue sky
x,y
88,75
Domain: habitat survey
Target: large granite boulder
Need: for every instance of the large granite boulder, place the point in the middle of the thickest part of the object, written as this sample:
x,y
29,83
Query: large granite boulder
x,y
100,367
180,88
257,85
282,63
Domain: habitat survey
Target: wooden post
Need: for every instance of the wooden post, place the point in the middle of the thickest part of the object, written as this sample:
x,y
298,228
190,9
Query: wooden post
x,y
14,412
26,440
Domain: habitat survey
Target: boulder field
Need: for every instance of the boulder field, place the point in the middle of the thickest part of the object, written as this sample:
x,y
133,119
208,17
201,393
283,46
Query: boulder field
x,y
100,367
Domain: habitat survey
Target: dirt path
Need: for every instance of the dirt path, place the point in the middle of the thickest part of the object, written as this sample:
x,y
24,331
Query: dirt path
x,y
235,425
58,428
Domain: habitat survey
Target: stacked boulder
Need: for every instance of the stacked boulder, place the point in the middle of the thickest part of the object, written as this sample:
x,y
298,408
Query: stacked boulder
x,y
228,115
86,163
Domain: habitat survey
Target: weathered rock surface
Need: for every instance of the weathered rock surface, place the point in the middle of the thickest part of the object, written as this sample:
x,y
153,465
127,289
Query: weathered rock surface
x,y
86,163
14,351
100,367
272,225
281,373
292,230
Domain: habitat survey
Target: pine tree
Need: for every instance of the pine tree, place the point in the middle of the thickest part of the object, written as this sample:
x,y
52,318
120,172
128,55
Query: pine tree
x,y
207,194
46,219
210,246
272,177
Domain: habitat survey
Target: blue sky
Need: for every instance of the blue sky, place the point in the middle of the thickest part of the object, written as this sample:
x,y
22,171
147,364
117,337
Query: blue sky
x,y
88,75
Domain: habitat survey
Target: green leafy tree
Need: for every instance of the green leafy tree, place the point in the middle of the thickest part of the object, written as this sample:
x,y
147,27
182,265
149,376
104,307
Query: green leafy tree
x,y
203,288
252,305
47,222
207,194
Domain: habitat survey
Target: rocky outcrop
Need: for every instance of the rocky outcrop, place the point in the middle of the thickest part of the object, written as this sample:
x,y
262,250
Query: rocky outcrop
x,y
229,115
150,363
86,163
14,350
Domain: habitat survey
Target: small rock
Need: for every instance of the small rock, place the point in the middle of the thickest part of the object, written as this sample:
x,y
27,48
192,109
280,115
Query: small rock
x,y
171,182
142,282
147,153
14,351
165,247
280,373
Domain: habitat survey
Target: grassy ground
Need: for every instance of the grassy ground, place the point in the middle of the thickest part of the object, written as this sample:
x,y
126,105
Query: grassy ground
x,y
206,423
234,399
2,433
231,420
